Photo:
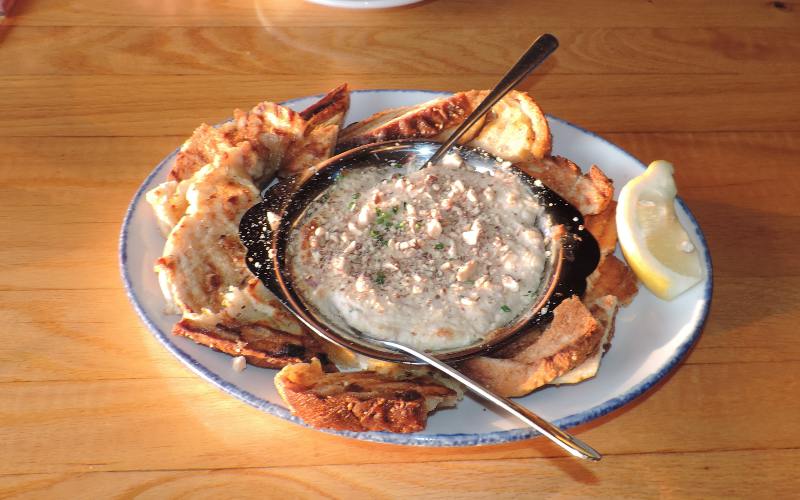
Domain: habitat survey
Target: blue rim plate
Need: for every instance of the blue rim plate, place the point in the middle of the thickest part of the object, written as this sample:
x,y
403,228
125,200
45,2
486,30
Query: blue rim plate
x,y
652,336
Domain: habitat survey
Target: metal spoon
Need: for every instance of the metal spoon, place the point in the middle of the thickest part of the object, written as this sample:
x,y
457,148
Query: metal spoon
x,y
533,57
570,443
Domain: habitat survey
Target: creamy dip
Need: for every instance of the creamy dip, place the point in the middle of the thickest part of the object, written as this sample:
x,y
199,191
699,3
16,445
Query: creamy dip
x,y
433,258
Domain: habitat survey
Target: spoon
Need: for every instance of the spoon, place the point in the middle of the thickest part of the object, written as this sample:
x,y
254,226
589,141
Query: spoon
x,y
533,57
568,442
272,276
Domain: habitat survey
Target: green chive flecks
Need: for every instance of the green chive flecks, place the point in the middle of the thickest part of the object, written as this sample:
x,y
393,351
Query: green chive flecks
x,y
438,246
505,308
380,278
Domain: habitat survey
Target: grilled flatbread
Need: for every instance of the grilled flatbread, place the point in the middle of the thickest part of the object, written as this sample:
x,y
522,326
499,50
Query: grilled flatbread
x,y
323,121
571,337
603,227
361,401
217,176
514,129
604,311
283,141
203,256
202,271
427,120
612,277
590,193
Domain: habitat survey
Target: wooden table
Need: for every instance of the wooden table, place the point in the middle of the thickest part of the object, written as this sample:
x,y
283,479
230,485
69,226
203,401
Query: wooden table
x,y
94,93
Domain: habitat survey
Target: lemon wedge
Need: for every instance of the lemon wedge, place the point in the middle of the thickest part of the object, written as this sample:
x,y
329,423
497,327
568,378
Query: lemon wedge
x,y
652,238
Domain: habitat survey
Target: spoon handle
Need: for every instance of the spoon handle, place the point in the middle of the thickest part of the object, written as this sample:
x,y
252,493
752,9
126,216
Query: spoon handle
x,y
538,52
570,443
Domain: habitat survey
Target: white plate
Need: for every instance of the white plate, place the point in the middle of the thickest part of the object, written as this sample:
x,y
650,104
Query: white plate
x,y
652,336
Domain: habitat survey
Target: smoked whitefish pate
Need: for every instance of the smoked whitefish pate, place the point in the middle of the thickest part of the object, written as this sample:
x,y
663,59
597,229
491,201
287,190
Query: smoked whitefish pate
x,y
434,258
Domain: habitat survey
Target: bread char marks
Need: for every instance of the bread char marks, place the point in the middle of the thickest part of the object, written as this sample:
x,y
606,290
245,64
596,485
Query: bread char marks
x,y
260,345
426,120
198,150
271,129
203,255
515,128
329,110
215,180
324,120
361,401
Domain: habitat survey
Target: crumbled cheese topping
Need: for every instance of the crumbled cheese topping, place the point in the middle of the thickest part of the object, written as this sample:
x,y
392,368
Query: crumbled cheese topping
x,y
435,258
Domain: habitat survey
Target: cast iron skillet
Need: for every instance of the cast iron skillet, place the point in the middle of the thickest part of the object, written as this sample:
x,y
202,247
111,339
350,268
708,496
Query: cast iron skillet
x,y
573,252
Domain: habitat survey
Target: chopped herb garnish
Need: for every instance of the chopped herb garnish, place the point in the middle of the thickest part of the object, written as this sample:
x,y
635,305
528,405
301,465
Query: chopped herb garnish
x,y
394,210
383,218
505,308
378,237
401,224
380,278
438,246
325,197
356,195
351,205
418,224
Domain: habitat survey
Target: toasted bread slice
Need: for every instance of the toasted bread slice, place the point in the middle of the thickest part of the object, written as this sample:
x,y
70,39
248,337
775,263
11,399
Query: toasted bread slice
x,y
324,120
168,200
603,227
515,130
252,323
329,110
612,277
202,270
360,401
604,311
590,193
269,128
283,140
571,338
427,120
198,150
203,256
260,345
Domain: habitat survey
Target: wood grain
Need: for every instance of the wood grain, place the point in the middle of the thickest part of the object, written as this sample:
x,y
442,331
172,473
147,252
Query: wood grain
x,y
216,431
104,106
468,13
672,475
69,50
94,93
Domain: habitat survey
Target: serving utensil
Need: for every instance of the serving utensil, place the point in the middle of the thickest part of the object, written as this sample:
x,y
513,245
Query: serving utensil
x,y
565,440
573,251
